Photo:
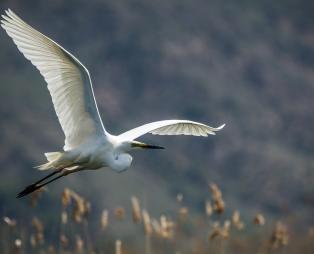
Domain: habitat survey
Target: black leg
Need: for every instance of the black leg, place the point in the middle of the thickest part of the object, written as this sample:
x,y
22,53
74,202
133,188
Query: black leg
x,y
35,186
44,178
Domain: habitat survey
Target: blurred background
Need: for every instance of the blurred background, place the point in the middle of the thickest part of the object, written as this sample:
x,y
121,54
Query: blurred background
x,y
248,64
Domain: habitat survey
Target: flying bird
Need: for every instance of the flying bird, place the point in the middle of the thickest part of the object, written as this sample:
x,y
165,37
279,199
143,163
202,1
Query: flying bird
x,y
88,145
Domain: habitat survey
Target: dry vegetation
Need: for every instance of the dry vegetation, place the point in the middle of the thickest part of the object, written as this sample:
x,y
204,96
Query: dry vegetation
x,y
213,232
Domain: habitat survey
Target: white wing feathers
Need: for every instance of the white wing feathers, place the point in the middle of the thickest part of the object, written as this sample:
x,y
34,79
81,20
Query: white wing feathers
x,y
171,127
68,81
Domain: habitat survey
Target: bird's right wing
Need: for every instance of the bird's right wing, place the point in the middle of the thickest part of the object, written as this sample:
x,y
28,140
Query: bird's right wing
x,y
68,81
171,127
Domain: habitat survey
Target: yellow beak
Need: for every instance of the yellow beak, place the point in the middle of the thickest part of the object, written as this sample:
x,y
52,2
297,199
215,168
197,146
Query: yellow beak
x,y
145,146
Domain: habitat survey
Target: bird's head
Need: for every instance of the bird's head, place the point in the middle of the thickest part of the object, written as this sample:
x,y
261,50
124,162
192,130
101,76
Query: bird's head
x,y
122,161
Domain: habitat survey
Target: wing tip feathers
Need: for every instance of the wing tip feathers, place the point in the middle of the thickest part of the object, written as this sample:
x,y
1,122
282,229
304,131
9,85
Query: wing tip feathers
x,y
7,16
221,127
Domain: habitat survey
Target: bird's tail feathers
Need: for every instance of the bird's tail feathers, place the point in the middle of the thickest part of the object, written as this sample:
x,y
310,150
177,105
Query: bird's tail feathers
x,y
52,157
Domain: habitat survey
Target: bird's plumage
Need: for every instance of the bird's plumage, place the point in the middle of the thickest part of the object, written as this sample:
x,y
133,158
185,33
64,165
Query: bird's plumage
x,y
68,81
87,143
171,127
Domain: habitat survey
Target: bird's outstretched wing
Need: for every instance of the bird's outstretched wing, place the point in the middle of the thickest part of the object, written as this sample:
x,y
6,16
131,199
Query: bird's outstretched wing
x,y
68,81
171,127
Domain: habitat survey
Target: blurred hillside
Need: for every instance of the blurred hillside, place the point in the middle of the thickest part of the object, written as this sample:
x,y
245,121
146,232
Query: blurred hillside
x,y
248,64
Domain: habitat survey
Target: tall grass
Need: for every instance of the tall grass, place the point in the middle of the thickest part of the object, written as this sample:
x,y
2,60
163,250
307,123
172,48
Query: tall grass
x,y
213,232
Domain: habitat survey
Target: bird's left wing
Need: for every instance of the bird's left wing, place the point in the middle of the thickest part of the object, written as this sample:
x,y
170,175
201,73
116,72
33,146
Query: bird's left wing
x,y
171,127
68,81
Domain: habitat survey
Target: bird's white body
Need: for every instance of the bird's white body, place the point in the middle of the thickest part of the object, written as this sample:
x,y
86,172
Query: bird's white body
x,y
93,154
88,145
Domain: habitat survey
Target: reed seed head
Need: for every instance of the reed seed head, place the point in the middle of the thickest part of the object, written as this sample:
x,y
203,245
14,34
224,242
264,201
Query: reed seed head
x,y
9,221
38,237
136,210
64,217
118,247
64,241
280,236
147,223
259,219
66,197
208,208
220,232
236,221
183,212
81,207
179,197
17,245
104,219
37,224
218,203
119,213
79,244
156,227
166,227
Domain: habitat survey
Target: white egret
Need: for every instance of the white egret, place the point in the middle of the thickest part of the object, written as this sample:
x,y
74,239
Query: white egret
x,y
88,145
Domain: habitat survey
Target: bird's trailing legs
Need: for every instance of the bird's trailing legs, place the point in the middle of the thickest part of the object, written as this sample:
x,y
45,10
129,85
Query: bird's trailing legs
x,y
35,186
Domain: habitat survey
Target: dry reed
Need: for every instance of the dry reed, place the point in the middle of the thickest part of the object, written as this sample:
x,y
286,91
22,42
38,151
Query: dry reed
x,y
218,202
104,220
118,247
136,210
